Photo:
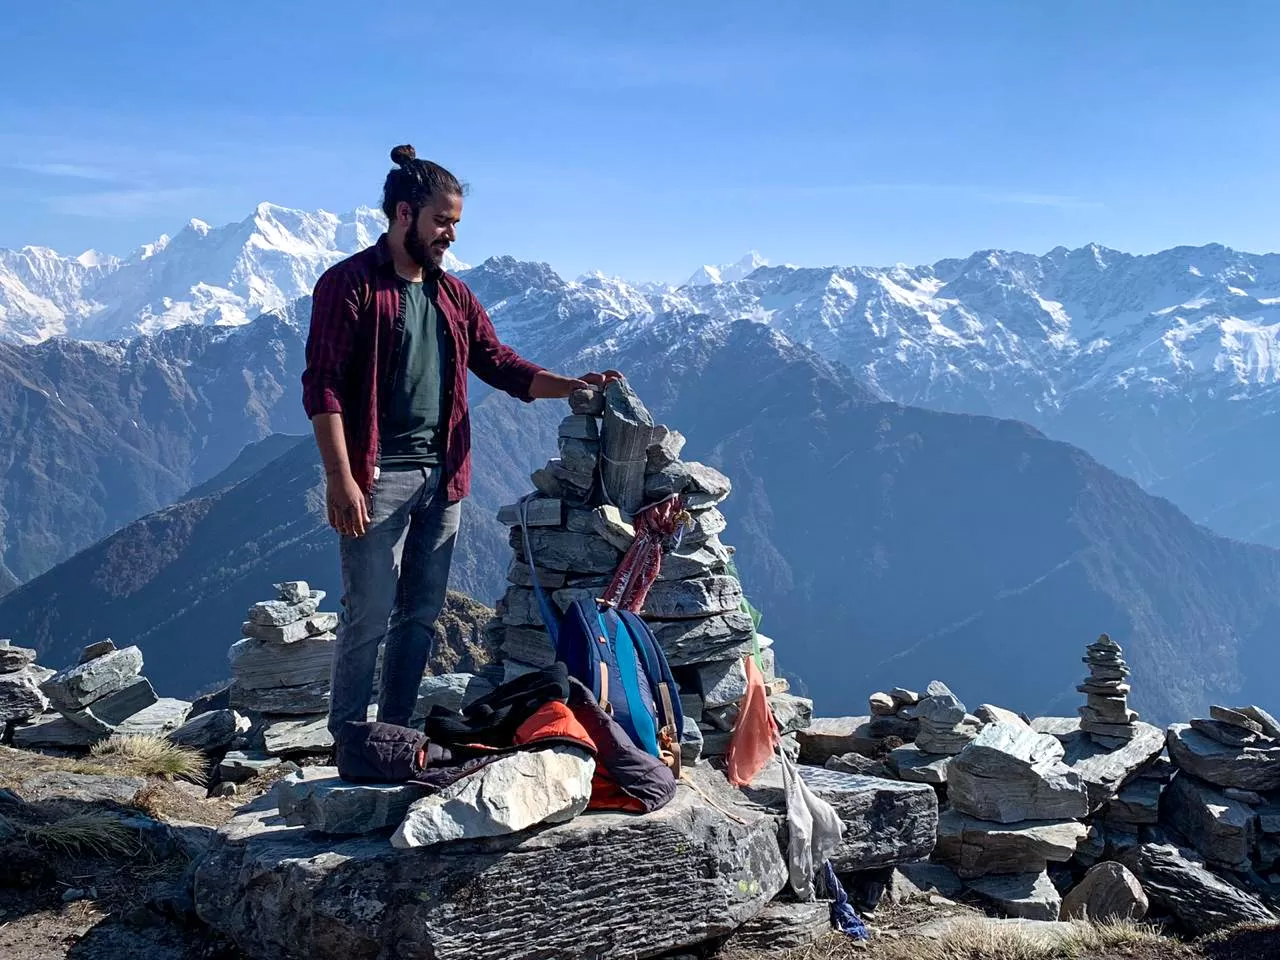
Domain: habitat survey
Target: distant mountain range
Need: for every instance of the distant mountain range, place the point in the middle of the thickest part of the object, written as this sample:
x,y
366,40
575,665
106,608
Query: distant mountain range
x,y
887,545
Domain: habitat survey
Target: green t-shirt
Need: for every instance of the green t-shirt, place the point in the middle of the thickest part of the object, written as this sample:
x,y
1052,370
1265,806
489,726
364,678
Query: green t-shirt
x,y
411,434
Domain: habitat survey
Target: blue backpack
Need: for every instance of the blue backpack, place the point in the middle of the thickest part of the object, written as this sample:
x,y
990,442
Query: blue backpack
x,y
616,656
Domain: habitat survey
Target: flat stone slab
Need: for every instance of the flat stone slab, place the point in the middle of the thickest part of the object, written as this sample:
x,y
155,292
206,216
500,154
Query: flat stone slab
x,y
829,737
278,891
311,626
284,735
105,714
785,926
1010,773
302,700
1248,768
1223,830
318,799
1026,896
976,848
81,685
209,731
238,766
450,691
684,599
276,613
1104,771
921,879
886,821
262,664
164,716
14,658
51,730
726,636
89,788
912,764
1138,803
20,695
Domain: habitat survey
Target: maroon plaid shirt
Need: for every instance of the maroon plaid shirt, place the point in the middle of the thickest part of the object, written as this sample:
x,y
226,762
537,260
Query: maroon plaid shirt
x,y
353,350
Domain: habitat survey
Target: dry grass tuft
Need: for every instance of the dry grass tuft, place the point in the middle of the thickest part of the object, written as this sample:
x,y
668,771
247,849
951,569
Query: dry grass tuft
x,y
151,756
81,834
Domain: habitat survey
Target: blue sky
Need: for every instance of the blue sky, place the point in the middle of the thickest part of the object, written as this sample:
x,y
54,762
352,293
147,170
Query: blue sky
x,y
645,139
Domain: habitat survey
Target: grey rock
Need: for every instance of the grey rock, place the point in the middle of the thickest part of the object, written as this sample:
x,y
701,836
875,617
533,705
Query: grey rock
x,y
539,512
707,523
509,795
1244,796
886,821
547,483
791,712
665,446
1270,726
587,402
579,426
1108,893
701,486
691,741
283,735
293,591
518,573
835,736
579,456
882,705
528,645
883,727
695,560
260,664
684,599
904,697
15,658
990,713
785,926
210,732
857,763
84,683
514,669
164,716
1249,768
302,700
450,691
576,486
945,741
1028,896
20,696
84,787
362,898
1161,769
976,848
723,637
106,713
237,766
1235,718
1176,880
311,626
1228,734
1056,726
318,799
941,709
1269,819
607,522
95,650
1137,803
912,881
51,730
563,551
277,613
1010,773
722,682
1103,770
1221,829
910,763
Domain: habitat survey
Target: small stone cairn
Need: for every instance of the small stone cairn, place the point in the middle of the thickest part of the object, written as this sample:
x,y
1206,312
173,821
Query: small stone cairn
x,y
280,669
614,460
103,694
1107,712
20,679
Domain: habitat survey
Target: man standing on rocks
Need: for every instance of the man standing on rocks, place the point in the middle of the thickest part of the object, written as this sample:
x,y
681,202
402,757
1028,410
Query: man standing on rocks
x,y
392,338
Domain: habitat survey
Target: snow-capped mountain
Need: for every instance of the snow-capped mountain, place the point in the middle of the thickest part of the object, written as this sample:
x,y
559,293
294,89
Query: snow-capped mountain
x,y
210,275
708,275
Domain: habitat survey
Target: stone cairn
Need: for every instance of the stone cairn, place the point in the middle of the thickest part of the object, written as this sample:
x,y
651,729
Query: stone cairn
x,y
614,460
21,698
1107,712
280,670
103,694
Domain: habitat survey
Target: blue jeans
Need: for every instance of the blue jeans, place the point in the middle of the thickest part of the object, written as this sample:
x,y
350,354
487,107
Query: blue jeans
x,y
394,580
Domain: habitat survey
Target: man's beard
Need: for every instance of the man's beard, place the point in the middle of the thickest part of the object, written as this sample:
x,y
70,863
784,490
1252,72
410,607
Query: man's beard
x,y
416,249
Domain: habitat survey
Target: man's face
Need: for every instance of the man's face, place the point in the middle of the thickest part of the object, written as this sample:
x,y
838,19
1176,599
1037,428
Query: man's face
x,y
432,232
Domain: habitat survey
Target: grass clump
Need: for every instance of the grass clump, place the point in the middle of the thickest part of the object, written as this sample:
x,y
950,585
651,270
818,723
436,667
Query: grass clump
x,y
150,757
80,834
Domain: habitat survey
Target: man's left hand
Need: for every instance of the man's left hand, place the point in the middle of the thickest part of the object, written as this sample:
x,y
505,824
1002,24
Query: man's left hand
x,y
551,386
601,379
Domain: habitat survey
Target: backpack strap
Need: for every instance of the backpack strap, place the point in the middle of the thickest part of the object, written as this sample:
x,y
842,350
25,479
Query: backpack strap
x,y
658,670
547,610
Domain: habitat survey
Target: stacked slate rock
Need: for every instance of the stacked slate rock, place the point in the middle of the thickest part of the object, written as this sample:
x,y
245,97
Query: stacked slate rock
x,y
1225,798
945,728
614,460
20,677
280,669
1107,714
103,694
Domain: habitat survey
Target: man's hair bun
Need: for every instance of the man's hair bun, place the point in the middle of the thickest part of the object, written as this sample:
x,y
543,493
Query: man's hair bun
x,y
403,154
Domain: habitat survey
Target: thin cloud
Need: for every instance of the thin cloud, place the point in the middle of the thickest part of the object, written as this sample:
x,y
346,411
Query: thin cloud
x,y
72,171
123,204
962,191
